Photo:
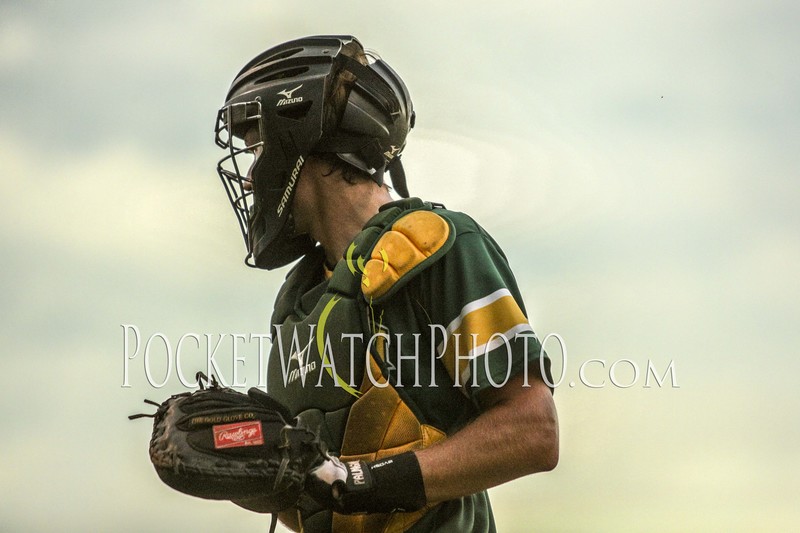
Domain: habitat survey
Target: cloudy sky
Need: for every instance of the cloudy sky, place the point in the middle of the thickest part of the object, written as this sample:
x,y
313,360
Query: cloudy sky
x,y
637,161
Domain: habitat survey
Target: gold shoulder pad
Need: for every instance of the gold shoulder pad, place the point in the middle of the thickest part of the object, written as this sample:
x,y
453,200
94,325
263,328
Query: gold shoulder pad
x,y
414,241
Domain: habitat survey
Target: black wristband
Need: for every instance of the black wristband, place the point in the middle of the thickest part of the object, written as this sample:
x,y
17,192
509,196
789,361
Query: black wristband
x,y
390,484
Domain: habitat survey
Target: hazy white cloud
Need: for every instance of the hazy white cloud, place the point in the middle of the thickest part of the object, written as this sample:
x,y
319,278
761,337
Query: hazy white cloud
x,y
19,44
119,203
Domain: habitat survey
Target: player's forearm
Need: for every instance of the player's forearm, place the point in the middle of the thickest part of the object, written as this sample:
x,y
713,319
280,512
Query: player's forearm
x,y
516,436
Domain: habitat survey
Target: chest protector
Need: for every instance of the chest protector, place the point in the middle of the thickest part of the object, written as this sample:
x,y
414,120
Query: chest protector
x,y
327,358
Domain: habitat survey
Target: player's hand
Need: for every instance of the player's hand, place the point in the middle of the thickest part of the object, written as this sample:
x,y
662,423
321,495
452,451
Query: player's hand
x,y
349,487
321,481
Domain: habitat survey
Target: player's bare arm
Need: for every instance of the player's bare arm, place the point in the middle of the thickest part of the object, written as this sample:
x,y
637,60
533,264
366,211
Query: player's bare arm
x,y
515,436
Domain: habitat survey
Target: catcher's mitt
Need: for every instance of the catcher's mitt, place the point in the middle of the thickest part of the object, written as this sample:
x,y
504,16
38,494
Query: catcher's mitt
x,y
220,444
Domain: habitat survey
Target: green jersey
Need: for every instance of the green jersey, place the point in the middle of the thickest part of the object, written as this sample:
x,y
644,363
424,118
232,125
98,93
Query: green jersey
x,y
423,304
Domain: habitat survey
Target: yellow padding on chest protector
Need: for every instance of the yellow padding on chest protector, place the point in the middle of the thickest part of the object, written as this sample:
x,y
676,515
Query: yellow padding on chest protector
x,y
410,241
380,425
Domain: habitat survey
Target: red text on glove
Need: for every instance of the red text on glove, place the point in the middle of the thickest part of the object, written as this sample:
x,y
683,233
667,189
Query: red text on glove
x,y
239,434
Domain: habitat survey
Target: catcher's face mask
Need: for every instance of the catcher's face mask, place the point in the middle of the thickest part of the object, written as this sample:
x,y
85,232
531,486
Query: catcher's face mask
x,y
256,184
235,168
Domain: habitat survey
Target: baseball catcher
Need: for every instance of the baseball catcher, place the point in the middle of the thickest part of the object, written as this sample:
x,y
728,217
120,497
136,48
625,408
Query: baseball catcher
x,y
404,377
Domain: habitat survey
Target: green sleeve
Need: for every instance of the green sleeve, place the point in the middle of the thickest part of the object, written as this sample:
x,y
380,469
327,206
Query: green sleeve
x,y
471,299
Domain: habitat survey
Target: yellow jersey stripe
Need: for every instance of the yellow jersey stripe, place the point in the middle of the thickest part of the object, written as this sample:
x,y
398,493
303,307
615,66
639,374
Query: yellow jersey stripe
x,y
477,330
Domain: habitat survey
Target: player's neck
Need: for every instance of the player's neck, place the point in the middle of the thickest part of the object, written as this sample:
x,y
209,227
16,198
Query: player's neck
x,y
343,216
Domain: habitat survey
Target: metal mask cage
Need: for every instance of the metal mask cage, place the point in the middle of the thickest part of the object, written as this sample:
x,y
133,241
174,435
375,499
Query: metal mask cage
x,y
233,122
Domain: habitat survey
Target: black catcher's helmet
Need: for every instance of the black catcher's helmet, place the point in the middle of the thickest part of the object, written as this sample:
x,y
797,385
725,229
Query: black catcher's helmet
x,y
280,102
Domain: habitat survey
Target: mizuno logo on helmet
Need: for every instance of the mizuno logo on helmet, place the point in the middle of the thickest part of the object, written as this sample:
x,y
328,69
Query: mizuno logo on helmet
x,y
292,180
287,96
